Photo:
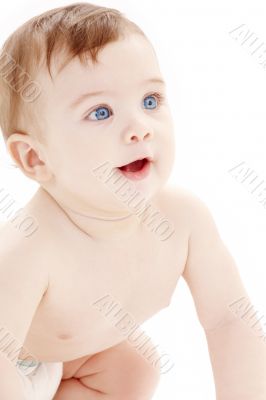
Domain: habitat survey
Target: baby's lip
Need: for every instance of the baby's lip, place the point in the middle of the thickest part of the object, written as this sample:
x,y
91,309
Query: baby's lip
x,y
149,158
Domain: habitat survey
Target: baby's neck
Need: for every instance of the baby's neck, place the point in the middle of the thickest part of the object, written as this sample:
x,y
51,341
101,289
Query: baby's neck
x,y
44,207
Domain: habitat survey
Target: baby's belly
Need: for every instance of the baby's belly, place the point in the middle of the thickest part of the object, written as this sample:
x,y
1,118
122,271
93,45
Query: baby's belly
x,y
104,323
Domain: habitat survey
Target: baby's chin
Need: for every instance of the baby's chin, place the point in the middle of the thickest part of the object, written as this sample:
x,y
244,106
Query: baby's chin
x,y
127,189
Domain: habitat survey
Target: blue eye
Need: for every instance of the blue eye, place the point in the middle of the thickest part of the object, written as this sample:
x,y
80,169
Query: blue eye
x,y
102,111
150,101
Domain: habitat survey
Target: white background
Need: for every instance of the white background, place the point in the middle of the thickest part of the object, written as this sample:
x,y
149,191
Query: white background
x,y
216,90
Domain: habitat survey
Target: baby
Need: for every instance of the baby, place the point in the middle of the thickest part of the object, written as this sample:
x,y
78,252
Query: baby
x,y
84,113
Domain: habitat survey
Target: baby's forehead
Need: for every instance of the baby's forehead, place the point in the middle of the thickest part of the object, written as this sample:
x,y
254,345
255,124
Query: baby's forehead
x,y
131,53
121,65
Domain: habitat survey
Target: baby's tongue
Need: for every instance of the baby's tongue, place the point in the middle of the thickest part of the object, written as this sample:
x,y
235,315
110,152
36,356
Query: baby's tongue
x,y
134,166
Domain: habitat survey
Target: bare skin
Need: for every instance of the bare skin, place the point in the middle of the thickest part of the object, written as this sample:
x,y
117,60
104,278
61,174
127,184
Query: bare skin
x,y
81,259
81,272
76,257
66,326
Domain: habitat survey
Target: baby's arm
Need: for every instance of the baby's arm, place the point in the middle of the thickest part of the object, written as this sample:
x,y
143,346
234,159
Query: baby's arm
x,y
237,352
22,285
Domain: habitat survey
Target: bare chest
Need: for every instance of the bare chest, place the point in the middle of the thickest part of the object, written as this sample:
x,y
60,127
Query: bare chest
x,y
94,290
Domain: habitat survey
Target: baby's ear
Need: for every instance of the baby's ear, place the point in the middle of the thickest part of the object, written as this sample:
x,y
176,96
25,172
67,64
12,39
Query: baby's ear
x,y
25,151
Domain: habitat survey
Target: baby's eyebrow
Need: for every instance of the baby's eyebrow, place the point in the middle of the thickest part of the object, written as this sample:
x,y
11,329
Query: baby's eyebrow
x,y
84,96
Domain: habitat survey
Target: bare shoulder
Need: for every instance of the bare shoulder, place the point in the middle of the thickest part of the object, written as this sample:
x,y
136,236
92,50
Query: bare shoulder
x,y
179,196
20,253
182,205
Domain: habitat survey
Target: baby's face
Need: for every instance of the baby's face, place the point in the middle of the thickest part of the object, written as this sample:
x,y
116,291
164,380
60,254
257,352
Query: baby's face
x,y
126,120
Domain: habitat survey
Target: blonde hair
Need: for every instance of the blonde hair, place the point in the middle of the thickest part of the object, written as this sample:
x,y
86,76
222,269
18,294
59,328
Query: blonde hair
x,y
79,29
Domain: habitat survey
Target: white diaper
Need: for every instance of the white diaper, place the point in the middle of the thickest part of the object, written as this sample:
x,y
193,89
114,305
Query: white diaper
x,y
40,380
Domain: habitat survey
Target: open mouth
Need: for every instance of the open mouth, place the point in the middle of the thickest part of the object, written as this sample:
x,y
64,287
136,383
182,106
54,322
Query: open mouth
x,y
134,166
136,170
